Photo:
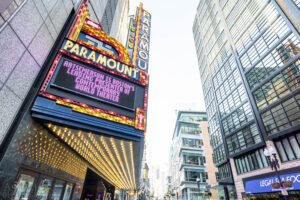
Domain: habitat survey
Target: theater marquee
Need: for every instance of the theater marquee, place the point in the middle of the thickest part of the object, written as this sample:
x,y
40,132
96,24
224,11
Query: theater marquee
x,y
91,80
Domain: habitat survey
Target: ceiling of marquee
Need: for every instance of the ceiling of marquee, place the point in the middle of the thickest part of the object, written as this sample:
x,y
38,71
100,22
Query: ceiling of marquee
x,y
117,160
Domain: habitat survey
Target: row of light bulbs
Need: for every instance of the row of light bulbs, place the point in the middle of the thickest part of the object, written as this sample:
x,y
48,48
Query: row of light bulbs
x,y
99,153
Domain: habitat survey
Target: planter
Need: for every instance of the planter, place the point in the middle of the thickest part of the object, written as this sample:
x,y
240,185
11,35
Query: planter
x,y
288,183
276,185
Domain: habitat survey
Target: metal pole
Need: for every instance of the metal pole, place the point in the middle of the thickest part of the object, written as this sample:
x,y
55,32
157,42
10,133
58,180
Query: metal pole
x,y
274,163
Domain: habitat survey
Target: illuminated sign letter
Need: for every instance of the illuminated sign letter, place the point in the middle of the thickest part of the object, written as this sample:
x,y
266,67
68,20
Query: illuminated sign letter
x,y
92,56
142,66
145,28
111,61
118,68
134,71
83,52
143,54
144,45
75,49
146,21
69,44
101,60
128,70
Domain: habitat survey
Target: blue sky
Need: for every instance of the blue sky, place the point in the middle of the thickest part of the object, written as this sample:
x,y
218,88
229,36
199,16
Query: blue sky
x,y
173,69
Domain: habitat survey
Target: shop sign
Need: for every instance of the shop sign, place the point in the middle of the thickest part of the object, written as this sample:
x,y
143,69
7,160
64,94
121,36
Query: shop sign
x,y
265,184
100,59
142,57
138,41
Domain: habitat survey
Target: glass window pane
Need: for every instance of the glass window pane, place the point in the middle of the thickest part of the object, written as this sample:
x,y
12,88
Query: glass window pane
x,y
242,168
68,192
44,189
57,191
264,160
24,186
237,166
259,159
288,149
295,146
281,152
298,137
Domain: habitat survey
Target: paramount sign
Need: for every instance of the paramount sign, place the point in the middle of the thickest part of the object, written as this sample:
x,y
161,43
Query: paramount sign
x,y
138,41
142,58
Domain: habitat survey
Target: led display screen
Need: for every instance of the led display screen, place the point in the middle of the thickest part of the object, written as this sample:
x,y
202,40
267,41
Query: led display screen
x,y
93,83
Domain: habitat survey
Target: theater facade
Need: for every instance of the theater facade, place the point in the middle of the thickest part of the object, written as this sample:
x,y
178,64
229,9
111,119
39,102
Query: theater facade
x,y
81,136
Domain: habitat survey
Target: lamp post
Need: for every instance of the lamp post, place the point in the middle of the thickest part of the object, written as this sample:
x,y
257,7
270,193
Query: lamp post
x,y
198,183
274,164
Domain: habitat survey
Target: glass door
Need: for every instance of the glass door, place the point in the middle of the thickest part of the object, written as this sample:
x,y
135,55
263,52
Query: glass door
x,y
31,185
44,188
24,186
57,190
68,191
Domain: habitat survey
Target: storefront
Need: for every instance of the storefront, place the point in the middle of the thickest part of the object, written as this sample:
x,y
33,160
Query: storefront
x,y
82,136
260,187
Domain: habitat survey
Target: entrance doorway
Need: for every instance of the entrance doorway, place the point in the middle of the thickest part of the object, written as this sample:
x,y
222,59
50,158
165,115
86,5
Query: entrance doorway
x,y
96,188
37,186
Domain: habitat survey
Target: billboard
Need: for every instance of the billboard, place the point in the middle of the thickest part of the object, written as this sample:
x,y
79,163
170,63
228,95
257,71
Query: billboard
x,y
99,85
138,41
93,79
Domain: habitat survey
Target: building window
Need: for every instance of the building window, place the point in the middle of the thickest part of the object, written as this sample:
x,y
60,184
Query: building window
x,y
192,175
273,61
239,117
282,116
235,98
194,143
192,118
297,3
289,148
194,129
228,84
216,138
245,138
282,84
219,155
272,28
224,171
193,159
250,162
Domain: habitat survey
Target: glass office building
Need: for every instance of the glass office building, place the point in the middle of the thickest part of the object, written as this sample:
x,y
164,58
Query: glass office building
x,y
248,56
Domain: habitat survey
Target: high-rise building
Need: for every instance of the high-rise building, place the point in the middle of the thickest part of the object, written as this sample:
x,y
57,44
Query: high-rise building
x,y
113,17
191,170
248,56
73,108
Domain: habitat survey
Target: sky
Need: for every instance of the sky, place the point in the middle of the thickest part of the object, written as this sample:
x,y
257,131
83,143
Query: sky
x,y
173,69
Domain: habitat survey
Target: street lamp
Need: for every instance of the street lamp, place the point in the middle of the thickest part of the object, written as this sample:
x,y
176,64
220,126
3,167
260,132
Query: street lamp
x,y
273,162
198,183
